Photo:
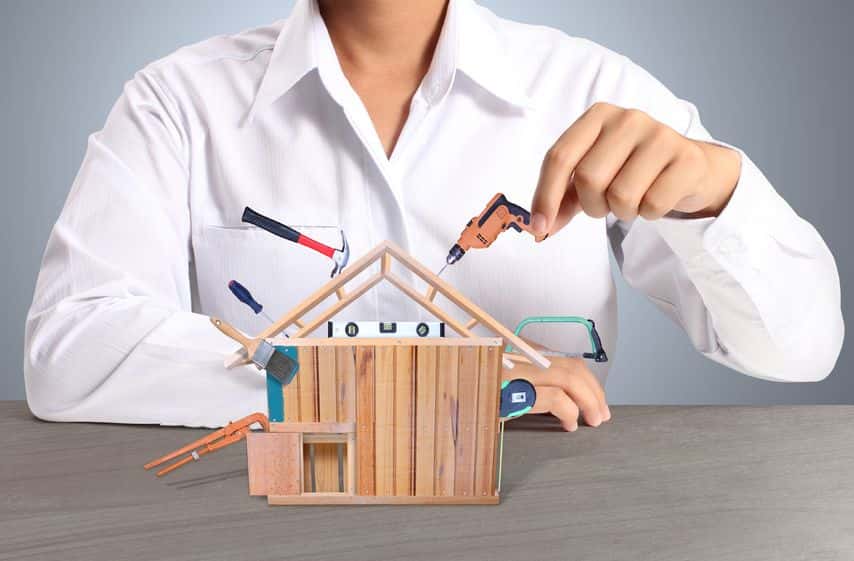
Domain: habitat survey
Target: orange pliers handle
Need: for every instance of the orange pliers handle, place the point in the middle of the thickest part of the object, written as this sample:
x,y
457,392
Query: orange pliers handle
x,y
229,434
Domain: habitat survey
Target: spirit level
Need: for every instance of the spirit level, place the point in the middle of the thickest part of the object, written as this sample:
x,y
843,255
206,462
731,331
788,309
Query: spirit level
x,y
370,329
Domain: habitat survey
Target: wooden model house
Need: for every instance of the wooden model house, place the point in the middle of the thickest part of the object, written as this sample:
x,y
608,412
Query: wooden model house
x,y
384,420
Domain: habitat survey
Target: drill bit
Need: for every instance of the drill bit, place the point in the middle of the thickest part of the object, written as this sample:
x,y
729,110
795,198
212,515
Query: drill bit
x,y
454,255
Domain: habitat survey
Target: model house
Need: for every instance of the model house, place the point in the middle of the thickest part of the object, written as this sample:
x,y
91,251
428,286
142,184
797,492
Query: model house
x,y
384,420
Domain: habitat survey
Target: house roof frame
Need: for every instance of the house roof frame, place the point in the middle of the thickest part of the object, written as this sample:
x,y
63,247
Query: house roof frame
x,y
387,253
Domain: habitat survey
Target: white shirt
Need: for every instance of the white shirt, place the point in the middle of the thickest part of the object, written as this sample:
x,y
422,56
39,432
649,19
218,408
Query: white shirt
x,y
151,232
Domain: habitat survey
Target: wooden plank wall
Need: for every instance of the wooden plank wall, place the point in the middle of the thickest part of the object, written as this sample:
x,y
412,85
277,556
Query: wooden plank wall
x,y
426,415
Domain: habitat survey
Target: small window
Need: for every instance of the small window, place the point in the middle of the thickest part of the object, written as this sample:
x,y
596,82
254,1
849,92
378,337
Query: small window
x,y
325,463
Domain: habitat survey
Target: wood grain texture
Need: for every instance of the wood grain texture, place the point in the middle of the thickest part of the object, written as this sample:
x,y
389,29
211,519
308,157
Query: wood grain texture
x,y
352,463
327,394
341,499
489,394
326,455
425,420
365,384
654,484
466,441
274,463
313,427
384,433
446,420
404,421
291,395
345,371
307,384
326,467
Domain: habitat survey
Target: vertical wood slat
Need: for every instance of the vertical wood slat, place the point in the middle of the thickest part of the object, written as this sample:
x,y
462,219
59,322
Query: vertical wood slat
x,y
425,419
291,395
365,420
345,371
306,470
307,384
447,405
326,455
327,395
469,375
351,464
384,421
404,421
326,468
487,420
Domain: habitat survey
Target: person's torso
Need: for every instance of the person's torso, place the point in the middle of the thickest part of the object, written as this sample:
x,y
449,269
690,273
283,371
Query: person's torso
x,y
312,163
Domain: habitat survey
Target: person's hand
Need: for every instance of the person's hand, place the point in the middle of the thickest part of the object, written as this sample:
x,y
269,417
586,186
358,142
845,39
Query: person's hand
x,y
566,389
621,161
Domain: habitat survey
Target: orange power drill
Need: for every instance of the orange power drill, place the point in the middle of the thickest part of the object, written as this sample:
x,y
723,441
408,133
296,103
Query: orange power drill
x,y
498,216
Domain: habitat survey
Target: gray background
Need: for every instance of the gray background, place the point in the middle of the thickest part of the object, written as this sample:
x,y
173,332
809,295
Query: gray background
x,y
771,76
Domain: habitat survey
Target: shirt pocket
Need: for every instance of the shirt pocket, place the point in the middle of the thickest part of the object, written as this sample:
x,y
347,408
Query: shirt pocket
x,y
279,273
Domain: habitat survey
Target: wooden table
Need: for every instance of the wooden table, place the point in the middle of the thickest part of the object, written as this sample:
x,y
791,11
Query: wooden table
x,y
657,483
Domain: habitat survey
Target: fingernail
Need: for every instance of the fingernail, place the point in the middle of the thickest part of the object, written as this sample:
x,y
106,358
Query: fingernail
x,y
573,428
607,413
539,223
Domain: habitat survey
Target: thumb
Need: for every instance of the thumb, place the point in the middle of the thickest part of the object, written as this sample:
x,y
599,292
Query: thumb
x,y
548,218
551,188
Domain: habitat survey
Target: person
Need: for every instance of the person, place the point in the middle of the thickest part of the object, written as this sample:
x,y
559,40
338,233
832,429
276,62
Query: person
x,y
399,120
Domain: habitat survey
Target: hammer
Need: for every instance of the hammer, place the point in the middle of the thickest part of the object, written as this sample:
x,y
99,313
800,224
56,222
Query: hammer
x,y
339,256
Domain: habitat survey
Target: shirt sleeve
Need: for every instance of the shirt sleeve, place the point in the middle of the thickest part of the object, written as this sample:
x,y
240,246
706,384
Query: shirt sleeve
x,y
756,288
110,336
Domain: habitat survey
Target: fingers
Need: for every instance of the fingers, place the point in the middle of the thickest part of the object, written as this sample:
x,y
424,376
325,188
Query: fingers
x,y
622,161
569,207
598,168
558,165
598,390
641,170
576,381
553,400
670,187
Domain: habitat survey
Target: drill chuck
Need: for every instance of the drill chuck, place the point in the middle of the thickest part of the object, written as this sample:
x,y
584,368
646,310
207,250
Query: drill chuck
x,y
455,254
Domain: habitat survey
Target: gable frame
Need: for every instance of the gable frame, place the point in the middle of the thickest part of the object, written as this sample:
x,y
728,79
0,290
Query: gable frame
x,y
388,252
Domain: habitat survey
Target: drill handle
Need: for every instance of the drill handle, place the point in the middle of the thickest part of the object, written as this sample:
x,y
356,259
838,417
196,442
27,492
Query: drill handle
x,y
501,201
523,224
518,211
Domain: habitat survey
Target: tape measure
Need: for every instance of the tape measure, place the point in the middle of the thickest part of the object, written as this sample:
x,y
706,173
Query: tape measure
x,y
371,329
517,398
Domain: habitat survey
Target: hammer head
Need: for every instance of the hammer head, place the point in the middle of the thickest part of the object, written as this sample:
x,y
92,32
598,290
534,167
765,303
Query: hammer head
x,y
341,256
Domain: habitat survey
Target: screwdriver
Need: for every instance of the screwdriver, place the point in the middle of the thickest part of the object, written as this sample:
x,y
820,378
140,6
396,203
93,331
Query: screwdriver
x,y
242,293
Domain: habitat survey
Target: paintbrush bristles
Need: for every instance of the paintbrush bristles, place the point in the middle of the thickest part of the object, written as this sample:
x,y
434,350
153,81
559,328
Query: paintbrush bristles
x,y
282,367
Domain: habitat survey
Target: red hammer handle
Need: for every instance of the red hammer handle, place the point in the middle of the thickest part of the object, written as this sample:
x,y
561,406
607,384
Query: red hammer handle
x,y
316,246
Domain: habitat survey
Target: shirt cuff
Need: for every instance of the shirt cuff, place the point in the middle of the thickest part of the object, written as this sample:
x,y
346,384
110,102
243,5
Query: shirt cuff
x,y
692,238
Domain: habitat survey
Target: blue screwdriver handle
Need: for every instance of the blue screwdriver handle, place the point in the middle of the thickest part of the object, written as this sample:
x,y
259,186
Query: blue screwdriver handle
x,y
242,293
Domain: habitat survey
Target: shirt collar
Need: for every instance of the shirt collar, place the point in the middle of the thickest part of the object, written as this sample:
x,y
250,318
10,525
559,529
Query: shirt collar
x,y
468,43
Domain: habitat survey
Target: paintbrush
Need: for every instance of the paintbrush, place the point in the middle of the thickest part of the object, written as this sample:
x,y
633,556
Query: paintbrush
x,y
265,356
